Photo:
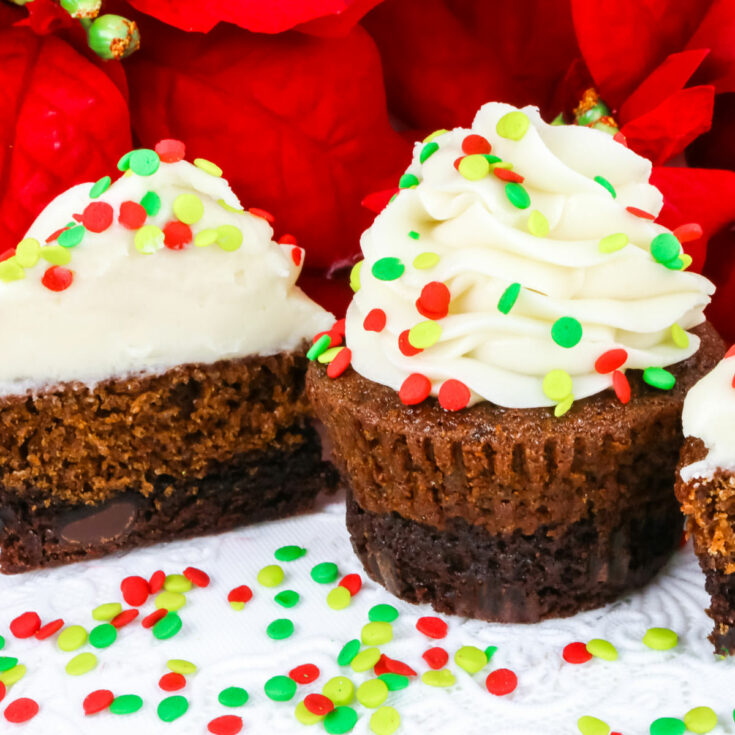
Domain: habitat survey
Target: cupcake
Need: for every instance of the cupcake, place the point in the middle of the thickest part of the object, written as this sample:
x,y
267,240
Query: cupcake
x,y
152,380
706,490
520,342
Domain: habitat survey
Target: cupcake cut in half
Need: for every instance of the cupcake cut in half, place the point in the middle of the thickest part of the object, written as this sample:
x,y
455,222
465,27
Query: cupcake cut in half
x,y
521,340
152,380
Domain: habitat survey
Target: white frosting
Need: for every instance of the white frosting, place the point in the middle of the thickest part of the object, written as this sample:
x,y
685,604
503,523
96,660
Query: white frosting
x,y
128,312
709,415
623,299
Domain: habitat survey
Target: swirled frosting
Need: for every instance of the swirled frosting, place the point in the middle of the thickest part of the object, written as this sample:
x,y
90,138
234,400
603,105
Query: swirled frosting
x,y
558,279
709,415
161,268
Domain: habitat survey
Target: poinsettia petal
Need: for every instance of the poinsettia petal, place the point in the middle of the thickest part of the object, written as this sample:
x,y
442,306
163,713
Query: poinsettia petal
x,y
10,14
668,78
298,123
716,148
62,122
624,41
46,17
671,126
716,32
720,268
340,22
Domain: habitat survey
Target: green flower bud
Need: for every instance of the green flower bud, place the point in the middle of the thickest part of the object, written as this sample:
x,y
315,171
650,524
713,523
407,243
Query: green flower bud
x,y
82,8
113,37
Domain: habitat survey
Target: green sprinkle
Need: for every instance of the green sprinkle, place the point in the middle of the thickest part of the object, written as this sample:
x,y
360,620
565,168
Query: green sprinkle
x,y
2,643
372,693
566,331
394,682
679,336
233,697
441,678
270,576
319,347
126,704
14,675
208,167
665,248
659,378
517,195
81,664
388,269
407,181
385,721
474,167
229,238
377,633
340,690
602,181
348,652
280,629
424,261
326,357
177,583
700,720
107,611
28,252
188,208
148,239
7,663
470,658
513,125
171,601
10,270
592,726
172,708
103,636
686,260
355,276
280,688
676,264
563,406
124,163
56,255
305,717
229,208
289,553
72,237
537,224
424,334
365,660
144,162
325,573
557,385
181,666
339,598
72,638
508,299
603,649
151,202
491,159
490,651
382,613
428,151
205,238
100,187
435,134
167,627
613,243
414,235
660,639
287,598
668,726
340,720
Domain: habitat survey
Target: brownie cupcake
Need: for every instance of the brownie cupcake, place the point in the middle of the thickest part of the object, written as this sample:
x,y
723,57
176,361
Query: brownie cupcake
x,y
152,380
706,490
521,341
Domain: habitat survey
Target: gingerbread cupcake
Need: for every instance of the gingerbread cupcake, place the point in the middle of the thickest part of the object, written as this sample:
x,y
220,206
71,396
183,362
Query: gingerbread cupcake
x,y
521,339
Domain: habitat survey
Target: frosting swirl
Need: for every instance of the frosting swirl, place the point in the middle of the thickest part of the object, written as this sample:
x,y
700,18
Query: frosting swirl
x,y
510,268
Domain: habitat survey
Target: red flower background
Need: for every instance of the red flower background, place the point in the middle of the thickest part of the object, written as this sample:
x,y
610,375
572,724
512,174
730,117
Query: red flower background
x,y
293,98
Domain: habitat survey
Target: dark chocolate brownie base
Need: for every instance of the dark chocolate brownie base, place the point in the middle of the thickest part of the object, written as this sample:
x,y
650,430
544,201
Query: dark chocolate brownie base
x,y
255,486
516,578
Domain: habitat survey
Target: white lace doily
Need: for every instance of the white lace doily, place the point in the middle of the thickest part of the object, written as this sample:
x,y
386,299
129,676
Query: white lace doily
x,y
231,648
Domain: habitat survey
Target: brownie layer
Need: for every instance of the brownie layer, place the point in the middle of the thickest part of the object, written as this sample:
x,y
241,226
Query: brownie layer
x,y
517,578
255,486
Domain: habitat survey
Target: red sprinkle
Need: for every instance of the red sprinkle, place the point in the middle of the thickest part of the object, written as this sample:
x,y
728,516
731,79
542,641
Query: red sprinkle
x,y
457,162
155,583
225,725
176,234
263,214
135,590
54,235
436,658
611,360
433,303
172,682
398,667
77,217
124,618
415,388
97,216
374,321
49,629
25,625
688,232
501,682
287,239
405,346
432,627
318,704
7,254
641,213
621,386
352,583
197,577
21,710
304,674
620,138
297,255
382,666
243,593
97,701
339,327
150,620
57,278
170,150
730,352
505,174
335,338
132,215
340,363
576,653
453,395
2,691
475,144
